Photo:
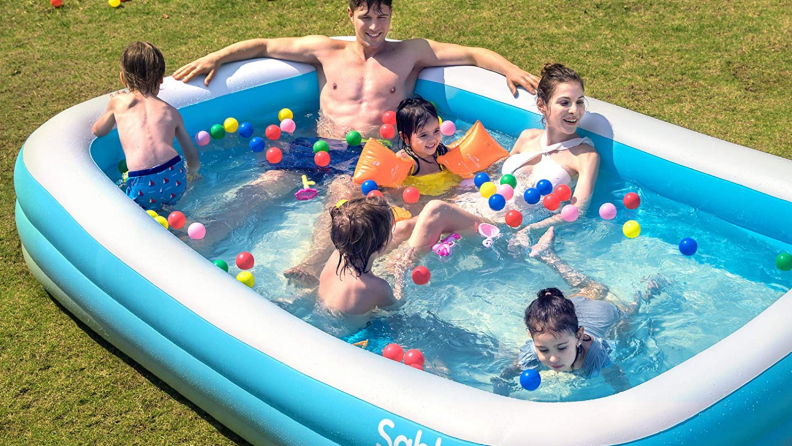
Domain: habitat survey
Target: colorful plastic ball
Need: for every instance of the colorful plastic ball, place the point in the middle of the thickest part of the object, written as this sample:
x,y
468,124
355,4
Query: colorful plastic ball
x,y
217,131
196,231
114,3
374,193
202,138
177,219
421,275
274,155
322,159
257,144
411,195
273,132
632,200
509,179
152,214
447,128
285,113
246,130
393,352
506,190
122,165
368,186
480,179
56,3
414,357
544,187
488,189
321,146
288,125
389,117
631,229
551,202
607,211
162,220
353,138
221,264
514,218
530,379
417,366
244,260
563,192
688,246
497,202
532,196
387,131
247,278
570,212
230,125
784,261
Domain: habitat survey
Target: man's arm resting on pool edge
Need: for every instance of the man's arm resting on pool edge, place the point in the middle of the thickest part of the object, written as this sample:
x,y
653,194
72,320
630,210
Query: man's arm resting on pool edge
x,y
297,49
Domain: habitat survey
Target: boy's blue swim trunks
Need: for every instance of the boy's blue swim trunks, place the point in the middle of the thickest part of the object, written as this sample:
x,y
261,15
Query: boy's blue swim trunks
x,y
299,155
163,184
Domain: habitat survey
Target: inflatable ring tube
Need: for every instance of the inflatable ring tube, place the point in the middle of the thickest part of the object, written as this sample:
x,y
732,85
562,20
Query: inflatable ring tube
x,y
380,164
472,153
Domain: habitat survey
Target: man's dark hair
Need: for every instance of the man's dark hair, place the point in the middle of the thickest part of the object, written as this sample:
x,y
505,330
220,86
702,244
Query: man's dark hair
x,y
376,4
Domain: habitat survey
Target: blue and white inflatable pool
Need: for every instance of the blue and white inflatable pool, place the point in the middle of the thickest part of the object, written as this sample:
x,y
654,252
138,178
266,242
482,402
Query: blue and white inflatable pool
x,y
274,379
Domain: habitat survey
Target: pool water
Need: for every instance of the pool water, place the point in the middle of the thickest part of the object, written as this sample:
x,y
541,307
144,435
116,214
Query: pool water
x,y
468,321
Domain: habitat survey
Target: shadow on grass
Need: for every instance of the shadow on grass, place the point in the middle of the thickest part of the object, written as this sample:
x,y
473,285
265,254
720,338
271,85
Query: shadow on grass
x,y
153,379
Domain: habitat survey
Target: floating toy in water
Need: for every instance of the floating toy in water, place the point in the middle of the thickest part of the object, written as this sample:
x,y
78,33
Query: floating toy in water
x,y
631,229
177,220
288,125
247,278
230,125
152,214
514,218
217,131
196,231
445,246
563,192
447,128
551,202
322,159
202,138
387,131
688,246
784,261
321,146
570,213
411,195
421,275
374,193
274,155
506,190
532,196
530,379
607,211
245,260
491,232
414,357
285,113
509,179
221,264
161,220
361,344
480,179
246,130
393,352
544,187
257,145
273,132
488,189
306,193
497,202
389,117
632,200
353,138
368,186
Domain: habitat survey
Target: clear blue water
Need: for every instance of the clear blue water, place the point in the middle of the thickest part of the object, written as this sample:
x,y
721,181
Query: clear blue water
x,y
468,320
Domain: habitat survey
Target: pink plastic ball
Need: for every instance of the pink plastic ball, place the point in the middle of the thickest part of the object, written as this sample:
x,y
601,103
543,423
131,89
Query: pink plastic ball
x,y
196,231
506,190
202,138
288,125
393,352
607,211
414,357
570,212
448,128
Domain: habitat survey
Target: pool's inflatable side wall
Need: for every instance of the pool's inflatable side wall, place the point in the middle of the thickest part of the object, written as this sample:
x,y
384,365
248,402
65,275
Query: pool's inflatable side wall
x,y
275,379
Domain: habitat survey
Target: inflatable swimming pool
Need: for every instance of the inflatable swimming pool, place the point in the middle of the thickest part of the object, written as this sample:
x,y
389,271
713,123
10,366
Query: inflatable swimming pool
x,y
274,379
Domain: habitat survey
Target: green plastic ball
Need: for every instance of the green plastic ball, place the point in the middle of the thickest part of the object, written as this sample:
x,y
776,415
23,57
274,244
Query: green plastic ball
x,y
322,146
221,264
784,261
122,167
510,180
353,138
217,131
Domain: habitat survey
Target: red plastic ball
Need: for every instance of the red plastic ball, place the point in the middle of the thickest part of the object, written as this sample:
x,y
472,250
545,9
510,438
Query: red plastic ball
x,y
563,192
273,132
274,155
411,195
417,366
393,352
387,131
56,3
551,202
414,357
514,218
389,117
176,220
374,193
421,275
322,159
244,260
632,200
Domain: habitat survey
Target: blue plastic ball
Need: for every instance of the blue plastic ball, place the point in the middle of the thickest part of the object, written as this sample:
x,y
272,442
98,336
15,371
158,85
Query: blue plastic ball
x,y
481,179
688,246
257,144
497,202
532,196
246,130
544,187
530,379
368,186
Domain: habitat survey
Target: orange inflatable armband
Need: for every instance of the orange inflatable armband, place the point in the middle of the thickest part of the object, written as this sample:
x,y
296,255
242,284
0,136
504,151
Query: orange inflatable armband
x,y
380,164
472,153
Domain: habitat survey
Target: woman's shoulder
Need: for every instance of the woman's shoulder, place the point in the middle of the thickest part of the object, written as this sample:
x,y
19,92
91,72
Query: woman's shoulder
x,y
525,142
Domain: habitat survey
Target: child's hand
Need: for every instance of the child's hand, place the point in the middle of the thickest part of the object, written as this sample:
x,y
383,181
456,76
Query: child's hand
x,y
192,172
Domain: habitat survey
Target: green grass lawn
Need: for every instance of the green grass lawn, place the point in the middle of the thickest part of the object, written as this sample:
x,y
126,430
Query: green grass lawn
x,y
720,68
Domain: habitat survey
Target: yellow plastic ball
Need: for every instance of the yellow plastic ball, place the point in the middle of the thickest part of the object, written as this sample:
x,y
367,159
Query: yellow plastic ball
x,y
114,3
230,125
488,189
247,278
631,229
285,113
153,214
440,119
162,220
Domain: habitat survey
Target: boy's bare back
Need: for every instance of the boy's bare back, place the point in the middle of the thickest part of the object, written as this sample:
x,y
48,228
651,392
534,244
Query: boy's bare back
x,y
348,294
